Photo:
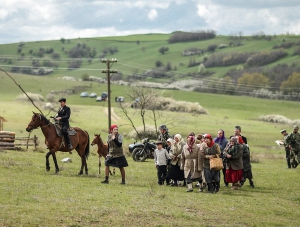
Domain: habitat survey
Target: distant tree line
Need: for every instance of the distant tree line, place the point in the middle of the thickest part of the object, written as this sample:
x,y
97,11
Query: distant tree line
x,y
249,59
191,36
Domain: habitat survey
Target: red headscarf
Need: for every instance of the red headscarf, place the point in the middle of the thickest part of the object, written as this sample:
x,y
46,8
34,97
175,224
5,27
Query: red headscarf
x,y
241,141
112,128
212,142
190,142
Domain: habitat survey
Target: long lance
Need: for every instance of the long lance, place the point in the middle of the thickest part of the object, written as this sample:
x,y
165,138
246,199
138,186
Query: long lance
x,y
21,89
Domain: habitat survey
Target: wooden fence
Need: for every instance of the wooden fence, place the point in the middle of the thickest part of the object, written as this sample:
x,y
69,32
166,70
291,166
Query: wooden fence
x,y
9,141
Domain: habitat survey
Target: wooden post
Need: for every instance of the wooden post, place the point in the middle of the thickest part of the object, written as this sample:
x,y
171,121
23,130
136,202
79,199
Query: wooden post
x,y
35,142
2,119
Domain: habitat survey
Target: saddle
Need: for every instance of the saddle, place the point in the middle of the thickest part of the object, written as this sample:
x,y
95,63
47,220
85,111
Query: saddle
x,y
59,133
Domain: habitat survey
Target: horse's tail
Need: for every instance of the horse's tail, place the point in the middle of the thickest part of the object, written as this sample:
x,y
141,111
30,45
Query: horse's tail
x,y
87,148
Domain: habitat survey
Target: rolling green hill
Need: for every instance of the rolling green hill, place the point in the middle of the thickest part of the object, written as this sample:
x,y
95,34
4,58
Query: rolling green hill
x,y
136,58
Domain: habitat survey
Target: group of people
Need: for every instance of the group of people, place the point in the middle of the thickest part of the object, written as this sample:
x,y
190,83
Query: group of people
x,y
177,160
291,143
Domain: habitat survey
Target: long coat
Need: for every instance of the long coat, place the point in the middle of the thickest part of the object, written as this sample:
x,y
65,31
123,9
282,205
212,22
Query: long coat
x,y
176,152
236,161
192,163
246,158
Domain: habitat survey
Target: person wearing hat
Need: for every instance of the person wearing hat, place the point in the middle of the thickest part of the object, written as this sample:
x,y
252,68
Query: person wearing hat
x,y
115,156
63,116
164,135
161,156
293,142
286,147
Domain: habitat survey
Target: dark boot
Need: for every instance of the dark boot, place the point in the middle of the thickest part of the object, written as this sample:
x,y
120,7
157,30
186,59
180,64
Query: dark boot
x,y
217,187
210,188
251,183
105,181
213,186
242,182
288,163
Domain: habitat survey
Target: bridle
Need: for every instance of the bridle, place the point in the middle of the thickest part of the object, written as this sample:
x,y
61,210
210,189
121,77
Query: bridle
x,y
36,127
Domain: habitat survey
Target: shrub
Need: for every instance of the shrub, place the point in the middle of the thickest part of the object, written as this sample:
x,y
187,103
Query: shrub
x,y
33,96
296,51
227,59
265,57
85,77
163,50
274,118
170,104
191,36
55,55
158,63
212,47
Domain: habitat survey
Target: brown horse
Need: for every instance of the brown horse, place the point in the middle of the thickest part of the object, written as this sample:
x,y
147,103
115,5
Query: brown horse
x,y
102,150
54,143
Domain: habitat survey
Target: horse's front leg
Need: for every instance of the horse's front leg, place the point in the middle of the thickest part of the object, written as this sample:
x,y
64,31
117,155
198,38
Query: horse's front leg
x,y
47,160
55,163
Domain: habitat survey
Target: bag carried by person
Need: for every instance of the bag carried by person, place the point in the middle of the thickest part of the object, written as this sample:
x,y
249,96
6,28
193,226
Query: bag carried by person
x,y
216,163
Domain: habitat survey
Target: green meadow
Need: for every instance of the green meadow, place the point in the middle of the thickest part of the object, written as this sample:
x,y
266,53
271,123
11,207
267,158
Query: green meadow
x,y
31,196
137,58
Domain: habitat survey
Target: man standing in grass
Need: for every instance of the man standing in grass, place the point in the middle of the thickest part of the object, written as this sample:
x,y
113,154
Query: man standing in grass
x,y
293,141
286,147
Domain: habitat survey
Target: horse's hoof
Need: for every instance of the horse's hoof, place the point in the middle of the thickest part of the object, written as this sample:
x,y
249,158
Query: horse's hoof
x,y
48,168
80,172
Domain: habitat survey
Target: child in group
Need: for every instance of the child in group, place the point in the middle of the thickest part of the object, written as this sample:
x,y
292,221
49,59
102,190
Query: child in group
x,y
161,156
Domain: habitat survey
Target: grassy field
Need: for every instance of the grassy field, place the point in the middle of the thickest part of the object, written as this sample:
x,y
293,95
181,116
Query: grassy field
x,y
131,57
30,196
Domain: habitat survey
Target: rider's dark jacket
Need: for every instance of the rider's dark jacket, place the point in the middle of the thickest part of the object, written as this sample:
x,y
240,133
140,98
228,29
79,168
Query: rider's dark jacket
x,y
64,113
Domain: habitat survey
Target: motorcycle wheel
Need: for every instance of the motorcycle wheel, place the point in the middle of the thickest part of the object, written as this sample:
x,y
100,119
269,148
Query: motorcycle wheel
x,y
139,155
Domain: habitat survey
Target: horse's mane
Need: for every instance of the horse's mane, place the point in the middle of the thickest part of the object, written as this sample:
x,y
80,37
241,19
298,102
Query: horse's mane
x,y
42,117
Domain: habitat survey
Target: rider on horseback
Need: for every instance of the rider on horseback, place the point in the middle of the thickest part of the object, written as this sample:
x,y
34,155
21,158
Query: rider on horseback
x,y
63,116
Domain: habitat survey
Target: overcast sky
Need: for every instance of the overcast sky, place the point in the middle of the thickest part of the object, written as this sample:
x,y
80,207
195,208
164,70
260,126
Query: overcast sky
x,y
31,20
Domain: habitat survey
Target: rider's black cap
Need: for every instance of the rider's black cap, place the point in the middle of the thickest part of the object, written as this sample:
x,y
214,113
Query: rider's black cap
x,y
62,100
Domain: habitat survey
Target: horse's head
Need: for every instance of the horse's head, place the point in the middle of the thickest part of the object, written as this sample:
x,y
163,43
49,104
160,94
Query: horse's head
x,y
37,120
96,139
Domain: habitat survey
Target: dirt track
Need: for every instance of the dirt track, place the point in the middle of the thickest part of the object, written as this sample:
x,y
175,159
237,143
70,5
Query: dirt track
x,y
114,116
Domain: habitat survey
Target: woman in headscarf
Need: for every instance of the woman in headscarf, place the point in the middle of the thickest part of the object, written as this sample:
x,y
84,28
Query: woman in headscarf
x,y
175,173
222,142
212,177
234,165
115,155
191,161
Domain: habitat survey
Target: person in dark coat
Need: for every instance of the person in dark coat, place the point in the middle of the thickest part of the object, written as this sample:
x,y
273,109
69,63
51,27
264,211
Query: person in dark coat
x,y
247,171
63,116
212,177
222,142
115,155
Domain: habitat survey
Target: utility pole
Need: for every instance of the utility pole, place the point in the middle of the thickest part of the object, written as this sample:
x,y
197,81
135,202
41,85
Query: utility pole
x,y
108,71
